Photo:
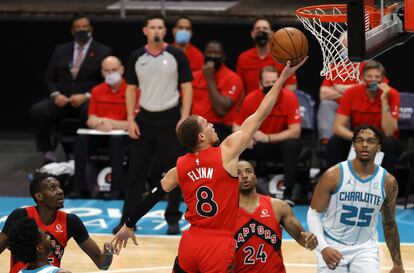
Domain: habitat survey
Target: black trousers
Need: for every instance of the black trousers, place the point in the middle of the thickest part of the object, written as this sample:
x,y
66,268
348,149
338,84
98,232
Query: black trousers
x,y
86,145
45,115
338,149
158,139
286,151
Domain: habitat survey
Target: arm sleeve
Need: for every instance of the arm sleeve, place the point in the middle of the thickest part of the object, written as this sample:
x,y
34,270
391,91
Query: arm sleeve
x,y
344,107
233,88
294,111
130,73
315,226
184,71
15,216
92,102
394,103
146,204
76,228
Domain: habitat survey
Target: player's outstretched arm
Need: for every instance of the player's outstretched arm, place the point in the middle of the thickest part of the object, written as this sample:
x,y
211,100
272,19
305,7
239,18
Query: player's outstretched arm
x,y
168,183
389,225
102,259
320,201
291,224
237,142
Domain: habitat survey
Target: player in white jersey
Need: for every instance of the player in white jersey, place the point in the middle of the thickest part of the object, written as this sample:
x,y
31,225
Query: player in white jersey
x,y
31,245
345,207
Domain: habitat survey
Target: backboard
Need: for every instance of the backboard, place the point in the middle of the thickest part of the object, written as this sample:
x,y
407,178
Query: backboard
x,y
375,26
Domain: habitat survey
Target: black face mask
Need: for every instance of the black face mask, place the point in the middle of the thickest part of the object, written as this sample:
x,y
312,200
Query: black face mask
x,y
266,89
82,36
261,38
216,60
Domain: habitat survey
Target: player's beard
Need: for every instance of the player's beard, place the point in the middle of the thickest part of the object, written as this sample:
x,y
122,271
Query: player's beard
x,y
246,191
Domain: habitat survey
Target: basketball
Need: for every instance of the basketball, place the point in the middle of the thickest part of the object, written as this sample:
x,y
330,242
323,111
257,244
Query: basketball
x,y
289,44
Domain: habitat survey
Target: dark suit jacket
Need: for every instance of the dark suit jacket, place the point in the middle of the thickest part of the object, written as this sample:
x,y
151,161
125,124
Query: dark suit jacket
x,y
59,78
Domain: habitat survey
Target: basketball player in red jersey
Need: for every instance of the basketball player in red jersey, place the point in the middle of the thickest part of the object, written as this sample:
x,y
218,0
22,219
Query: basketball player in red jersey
x,y
259,223
59,225
208,179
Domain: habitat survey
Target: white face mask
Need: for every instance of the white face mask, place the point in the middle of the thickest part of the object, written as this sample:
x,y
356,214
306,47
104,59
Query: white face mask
x,y
113,78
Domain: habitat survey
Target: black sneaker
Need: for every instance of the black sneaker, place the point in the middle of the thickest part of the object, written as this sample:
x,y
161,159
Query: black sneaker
x,y
173,229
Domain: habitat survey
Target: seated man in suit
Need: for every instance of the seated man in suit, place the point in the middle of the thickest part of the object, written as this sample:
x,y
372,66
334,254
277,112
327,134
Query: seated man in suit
x,y
73,70
107,111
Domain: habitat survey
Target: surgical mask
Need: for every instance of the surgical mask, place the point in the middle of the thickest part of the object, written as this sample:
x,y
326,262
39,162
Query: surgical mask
x,y
261,38
157,39
113,78
82,36
266,89
372,86
216,60
182,37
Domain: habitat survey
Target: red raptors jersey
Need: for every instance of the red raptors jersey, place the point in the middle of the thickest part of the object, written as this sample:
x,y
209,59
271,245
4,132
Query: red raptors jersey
x,y
259,238
58,235
211,194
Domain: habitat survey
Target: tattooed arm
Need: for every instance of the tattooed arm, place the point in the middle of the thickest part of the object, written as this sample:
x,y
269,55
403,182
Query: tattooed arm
x,y
389,225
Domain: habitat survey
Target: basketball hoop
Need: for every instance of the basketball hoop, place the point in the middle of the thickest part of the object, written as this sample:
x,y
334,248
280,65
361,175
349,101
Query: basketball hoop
x,y
328,24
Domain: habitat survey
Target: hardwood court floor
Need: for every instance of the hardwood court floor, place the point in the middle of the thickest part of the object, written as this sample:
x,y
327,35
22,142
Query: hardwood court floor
x,y
157,254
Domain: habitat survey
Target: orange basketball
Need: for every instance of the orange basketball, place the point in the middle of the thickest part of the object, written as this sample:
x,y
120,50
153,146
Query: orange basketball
x,y
289,44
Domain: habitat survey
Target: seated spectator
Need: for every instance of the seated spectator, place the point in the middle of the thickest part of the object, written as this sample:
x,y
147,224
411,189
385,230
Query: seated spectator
x,y
72,72
32,246
278,139
182,31
217,90
330,94
107,111
252,60
372,102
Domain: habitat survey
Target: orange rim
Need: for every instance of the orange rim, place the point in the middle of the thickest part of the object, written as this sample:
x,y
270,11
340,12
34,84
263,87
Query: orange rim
x,y
337,18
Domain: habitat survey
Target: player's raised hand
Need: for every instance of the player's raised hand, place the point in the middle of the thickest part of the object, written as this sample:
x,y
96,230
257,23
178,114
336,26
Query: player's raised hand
x,y
121,238
332,257
289,70
310,239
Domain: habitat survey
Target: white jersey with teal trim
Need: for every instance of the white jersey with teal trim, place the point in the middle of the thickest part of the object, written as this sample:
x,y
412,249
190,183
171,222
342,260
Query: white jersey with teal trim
x,y
352,214
43,269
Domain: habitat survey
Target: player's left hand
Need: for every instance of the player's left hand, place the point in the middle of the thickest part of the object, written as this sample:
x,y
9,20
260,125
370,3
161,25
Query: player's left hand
x,y
310,239
397,269
121,238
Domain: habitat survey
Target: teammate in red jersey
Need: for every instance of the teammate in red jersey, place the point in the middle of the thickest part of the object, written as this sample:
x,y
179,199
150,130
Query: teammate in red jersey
x,y
258,231
60,226
208,179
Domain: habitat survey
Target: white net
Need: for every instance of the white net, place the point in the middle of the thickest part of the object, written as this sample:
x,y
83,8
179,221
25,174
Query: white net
x,y
332,37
